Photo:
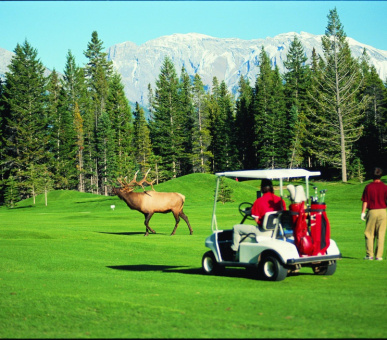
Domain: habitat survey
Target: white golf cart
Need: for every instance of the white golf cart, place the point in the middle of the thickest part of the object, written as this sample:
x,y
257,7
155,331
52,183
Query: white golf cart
x,y
272,251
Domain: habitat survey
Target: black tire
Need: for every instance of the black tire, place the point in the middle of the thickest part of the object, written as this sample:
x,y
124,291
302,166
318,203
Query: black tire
x,y
271,269
209,264
325,269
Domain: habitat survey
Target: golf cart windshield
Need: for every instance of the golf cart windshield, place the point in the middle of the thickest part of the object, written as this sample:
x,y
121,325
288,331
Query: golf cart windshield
x,y
279,174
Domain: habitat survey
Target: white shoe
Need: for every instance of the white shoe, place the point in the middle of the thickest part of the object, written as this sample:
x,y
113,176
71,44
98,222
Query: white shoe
x,y
379,259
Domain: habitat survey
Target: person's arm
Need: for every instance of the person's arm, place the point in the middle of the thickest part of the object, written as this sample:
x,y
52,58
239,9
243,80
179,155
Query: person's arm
x,y
254,212
363,211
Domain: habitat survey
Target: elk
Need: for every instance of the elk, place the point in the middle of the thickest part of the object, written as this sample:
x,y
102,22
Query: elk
x,y
150,202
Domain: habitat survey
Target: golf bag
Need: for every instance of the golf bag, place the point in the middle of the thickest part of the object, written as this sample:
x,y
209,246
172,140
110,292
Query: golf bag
x,y
302,240
319,228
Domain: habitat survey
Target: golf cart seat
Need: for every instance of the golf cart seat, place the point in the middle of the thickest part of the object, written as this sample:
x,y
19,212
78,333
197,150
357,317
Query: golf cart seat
x,y
280,222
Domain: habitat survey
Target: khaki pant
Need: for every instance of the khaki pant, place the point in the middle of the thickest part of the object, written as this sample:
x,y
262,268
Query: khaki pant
x,y
242,230
375,229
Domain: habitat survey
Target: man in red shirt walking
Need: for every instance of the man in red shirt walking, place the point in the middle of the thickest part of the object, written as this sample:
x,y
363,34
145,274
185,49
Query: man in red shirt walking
x,y
374,199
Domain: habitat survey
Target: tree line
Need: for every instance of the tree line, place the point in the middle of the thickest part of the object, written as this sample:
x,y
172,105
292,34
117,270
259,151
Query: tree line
x,y
78,132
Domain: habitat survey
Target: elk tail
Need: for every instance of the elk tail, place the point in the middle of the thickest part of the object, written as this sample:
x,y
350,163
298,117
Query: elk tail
x,y
182,196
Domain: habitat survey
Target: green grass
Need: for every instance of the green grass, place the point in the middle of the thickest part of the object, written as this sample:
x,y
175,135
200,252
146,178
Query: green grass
x,y
78,269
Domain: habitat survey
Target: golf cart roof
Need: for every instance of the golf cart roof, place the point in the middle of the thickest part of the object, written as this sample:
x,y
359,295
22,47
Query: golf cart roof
x,y
270,173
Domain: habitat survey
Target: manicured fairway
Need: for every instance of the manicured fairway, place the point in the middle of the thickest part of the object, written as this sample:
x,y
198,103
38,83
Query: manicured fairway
x,y
78,269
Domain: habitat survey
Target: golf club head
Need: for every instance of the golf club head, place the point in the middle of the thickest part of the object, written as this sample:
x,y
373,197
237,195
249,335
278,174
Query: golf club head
x,y
322,195
292,191
300,194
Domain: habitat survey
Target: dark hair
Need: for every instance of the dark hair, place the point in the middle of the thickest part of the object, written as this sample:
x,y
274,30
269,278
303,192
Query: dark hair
x,y
266,186
378,172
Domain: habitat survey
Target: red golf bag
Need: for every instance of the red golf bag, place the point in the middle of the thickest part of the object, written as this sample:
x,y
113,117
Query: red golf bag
x,y
320,230
302,240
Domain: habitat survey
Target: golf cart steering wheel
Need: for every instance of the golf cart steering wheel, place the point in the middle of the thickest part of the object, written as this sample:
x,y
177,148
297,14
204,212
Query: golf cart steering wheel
x,y
245,210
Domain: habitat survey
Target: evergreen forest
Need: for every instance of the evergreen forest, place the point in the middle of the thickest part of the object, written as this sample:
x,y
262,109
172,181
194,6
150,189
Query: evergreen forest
x,y
77,131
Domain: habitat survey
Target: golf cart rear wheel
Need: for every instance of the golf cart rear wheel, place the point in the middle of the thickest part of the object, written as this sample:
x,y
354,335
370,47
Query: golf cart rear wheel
x,y
271,269
325,268
209,264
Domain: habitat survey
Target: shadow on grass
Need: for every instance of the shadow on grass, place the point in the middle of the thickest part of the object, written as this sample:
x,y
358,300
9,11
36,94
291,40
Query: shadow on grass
x,y
97,200
228,272
23,207
130,233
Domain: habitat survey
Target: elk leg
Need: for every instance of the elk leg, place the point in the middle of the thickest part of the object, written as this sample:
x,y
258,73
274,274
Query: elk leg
x,y
177,219
148,228
185,218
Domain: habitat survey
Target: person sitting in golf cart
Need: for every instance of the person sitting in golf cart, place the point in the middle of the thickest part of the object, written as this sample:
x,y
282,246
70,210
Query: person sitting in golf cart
x,y
267,202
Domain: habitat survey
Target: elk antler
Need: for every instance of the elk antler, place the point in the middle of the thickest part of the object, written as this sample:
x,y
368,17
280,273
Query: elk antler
x,y
141,182
128,187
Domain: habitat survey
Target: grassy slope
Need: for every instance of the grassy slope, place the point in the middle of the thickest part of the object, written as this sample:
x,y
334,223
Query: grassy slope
x,y
78,269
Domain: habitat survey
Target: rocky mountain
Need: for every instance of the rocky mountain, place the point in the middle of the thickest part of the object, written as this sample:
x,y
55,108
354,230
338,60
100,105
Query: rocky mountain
x,y
5,60
227,59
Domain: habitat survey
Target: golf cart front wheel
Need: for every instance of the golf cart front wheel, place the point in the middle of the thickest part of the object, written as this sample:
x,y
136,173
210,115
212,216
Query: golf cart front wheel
x,y
271,269
209,264
325,268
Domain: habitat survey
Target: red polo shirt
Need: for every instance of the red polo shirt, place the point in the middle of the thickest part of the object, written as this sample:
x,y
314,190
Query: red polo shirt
x,y
267,202
375,194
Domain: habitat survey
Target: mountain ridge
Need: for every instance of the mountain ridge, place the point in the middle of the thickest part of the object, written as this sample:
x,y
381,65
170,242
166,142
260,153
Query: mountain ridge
x,y
224,58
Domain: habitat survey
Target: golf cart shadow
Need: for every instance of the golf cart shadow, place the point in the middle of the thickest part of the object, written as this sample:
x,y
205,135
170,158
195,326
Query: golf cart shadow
x,y
158,268
229,272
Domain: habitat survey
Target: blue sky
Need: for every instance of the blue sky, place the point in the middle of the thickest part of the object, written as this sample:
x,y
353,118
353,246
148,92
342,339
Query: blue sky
x,y
54,27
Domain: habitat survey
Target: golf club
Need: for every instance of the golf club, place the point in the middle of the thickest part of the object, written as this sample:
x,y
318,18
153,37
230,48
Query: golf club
x,y
322,195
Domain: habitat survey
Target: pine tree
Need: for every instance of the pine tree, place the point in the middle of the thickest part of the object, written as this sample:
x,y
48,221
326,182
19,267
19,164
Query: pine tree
x,y
26,122
296,75
142,142
281,136
296,83
340,108
225,192
78,126
62,135
186,121
165,124
201,138
105,151
2,146
74,104
117,106
97,71
11,195
372,144
268,107
244,124
227,105
220,106
315,78
216,128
